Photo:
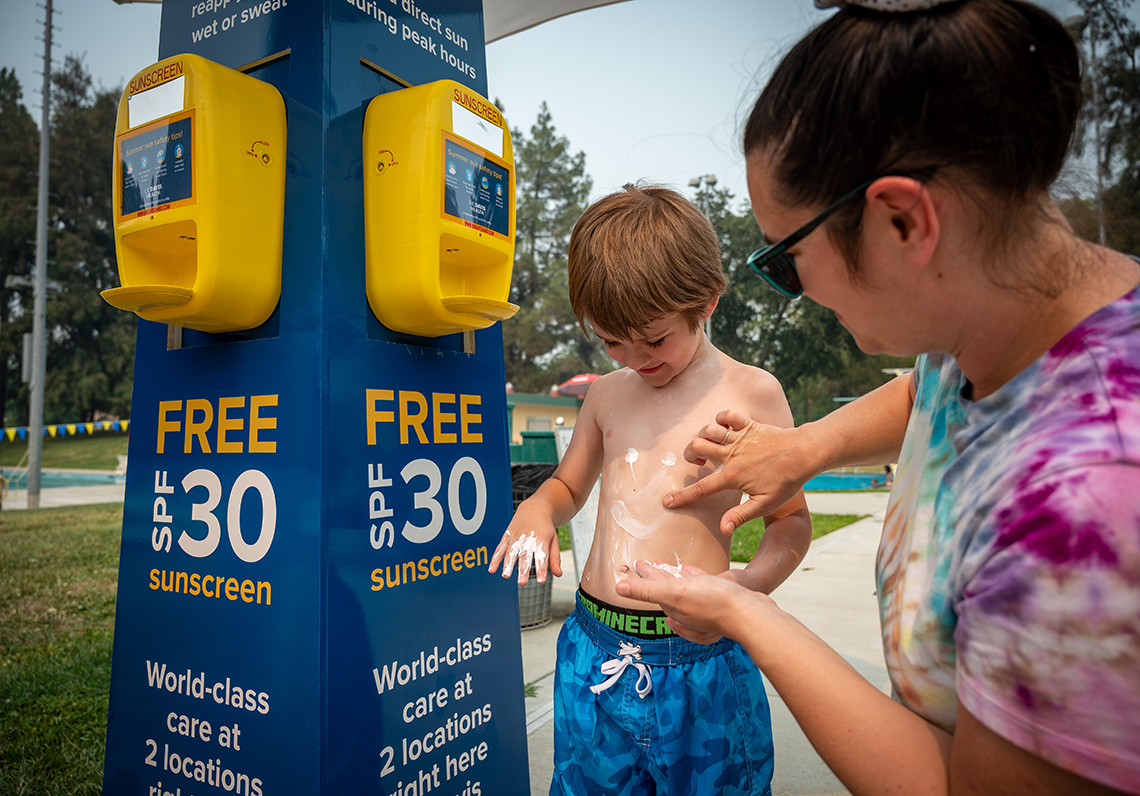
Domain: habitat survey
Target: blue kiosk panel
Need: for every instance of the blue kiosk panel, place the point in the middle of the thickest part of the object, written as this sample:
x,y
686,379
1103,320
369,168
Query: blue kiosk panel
x,y
304,603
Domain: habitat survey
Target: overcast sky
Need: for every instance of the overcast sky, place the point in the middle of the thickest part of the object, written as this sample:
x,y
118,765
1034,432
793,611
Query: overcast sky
x,y
651,90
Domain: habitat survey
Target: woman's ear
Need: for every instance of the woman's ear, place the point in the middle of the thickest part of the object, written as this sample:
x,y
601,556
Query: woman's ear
x,y
905,208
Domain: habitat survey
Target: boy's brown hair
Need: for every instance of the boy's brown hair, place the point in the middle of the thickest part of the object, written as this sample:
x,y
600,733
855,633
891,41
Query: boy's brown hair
x,y
640,254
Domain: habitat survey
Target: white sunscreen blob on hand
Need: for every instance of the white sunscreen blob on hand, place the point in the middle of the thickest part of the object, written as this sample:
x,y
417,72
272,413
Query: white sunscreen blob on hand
x,y
523,551
669,460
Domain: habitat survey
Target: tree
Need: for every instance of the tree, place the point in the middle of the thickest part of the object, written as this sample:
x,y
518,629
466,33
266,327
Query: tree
x,y
1118,83
750,317
19,152
90,345
819,360
91,359
542,343
1116,95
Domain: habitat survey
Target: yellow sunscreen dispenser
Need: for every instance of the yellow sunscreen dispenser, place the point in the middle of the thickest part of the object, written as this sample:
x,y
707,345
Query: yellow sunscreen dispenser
x,y
439,210
199,196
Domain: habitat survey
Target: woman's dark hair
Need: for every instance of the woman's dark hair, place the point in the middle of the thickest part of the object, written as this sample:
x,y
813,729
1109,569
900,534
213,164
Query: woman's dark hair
x,y
984,93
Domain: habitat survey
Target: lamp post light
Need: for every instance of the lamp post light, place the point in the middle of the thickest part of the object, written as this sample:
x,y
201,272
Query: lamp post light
x,y
1077,25
709,180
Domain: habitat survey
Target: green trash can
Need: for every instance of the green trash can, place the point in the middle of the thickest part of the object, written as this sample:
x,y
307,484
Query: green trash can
x,y
534,602
538,446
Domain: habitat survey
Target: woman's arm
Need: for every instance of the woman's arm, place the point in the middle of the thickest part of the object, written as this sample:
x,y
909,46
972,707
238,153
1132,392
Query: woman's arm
x,y
771,464
872,743
787,530
786,539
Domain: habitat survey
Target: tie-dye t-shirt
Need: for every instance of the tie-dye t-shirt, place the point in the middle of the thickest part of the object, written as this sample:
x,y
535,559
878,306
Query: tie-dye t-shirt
x,y
1009,569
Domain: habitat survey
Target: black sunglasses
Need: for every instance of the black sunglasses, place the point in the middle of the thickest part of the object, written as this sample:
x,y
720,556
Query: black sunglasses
x,y
775,266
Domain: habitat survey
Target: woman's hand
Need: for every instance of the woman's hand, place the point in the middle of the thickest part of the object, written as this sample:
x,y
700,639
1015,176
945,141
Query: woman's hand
x,y
767,463
700,607
770,464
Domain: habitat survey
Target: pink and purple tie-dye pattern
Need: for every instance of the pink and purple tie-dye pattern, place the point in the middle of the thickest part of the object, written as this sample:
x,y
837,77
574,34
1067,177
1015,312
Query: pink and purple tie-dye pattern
x,y
1009,570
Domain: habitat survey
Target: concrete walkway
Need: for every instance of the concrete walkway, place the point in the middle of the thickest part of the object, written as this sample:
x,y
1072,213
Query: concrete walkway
x,y
833,594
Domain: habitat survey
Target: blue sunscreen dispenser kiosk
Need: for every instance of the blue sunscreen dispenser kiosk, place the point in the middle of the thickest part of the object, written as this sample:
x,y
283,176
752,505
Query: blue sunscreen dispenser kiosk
x,y
313,498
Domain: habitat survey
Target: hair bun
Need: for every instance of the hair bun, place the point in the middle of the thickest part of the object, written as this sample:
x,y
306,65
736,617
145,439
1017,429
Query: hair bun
x,y
894,6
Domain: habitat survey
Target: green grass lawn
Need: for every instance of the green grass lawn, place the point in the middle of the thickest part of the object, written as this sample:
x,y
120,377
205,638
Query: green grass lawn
x,y
747,537
58,572
98,451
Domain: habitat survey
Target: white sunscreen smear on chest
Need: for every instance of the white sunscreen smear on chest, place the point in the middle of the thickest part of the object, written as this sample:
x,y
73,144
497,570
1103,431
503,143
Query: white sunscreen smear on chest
x,y
629,523
630,458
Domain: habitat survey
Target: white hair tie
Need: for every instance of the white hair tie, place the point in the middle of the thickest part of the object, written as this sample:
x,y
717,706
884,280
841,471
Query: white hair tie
x,y
896,6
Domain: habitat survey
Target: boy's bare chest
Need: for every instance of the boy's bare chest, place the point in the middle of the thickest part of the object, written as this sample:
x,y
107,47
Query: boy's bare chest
x,y
646,439
644,443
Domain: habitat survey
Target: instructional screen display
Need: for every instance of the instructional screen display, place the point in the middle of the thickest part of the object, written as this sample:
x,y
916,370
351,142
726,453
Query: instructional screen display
x,y
157,167
476,188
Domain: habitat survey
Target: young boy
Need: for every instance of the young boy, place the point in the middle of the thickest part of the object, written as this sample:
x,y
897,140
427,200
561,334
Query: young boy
x,y
638,709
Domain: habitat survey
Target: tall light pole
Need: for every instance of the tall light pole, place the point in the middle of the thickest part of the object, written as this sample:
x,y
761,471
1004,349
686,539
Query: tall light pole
x,y
708,180
1076,25
39,342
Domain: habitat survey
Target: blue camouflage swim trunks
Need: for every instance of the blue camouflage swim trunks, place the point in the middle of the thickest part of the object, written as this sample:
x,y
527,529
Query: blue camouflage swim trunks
x,y
655,714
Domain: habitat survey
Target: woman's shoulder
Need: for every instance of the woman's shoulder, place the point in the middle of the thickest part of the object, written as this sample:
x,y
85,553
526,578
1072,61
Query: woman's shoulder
x,y
1083,399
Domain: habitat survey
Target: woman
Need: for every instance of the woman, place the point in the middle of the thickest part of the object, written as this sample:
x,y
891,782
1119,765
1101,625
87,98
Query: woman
x,y
922,143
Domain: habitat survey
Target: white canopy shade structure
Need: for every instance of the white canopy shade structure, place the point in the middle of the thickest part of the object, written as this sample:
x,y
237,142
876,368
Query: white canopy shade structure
x,y
501,18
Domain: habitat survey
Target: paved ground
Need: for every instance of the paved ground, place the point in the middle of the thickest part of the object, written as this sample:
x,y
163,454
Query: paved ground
x,y
833,593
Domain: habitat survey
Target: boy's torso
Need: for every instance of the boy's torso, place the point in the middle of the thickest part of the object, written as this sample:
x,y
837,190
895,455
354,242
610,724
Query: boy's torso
x,y
645,431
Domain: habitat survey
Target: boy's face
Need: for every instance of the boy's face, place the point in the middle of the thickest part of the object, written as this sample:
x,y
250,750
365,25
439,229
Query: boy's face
x,y
658,352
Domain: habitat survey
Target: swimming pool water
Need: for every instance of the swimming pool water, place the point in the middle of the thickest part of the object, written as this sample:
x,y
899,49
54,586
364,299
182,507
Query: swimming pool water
x,y
836,481
49,479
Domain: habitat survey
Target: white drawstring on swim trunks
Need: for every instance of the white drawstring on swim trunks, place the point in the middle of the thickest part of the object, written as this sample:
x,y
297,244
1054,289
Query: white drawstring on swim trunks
x,y
628,655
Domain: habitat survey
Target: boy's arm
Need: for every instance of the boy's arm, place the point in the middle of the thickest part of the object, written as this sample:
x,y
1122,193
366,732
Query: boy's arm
x,y
787,537
533,531
787,530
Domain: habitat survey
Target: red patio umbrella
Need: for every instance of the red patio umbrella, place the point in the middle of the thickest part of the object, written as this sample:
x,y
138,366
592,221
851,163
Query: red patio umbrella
x,y
577,385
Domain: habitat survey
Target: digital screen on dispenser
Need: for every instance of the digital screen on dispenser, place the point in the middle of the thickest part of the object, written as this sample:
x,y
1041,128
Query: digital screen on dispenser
x,y
157,167
476,188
